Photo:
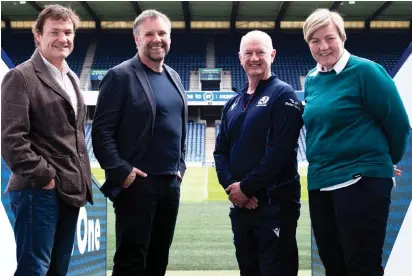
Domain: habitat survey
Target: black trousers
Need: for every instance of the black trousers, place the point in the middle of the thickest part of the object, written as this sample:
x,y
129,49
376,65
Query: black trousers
x,y
146,215
265,239
349,225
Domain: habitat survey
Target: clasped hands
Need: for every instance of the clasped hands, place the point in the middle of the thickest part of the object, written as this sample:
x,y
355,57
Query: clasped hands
x,y
238,198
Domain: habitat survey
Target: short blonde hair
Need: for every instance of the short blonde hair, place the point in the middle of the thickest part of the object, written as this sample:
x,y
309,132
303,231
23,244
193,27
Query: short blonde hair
x,y
321,18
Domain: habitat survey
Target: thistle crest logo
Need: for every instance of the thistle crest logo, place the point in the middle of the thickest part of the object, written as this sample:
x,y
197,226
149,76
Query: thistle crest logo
x,y
263,101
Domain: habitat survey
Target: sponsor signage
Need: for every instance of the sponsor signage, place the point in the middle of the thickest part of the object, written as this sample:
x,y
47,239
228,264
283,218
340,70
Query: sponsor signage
x,y
97,74
210,74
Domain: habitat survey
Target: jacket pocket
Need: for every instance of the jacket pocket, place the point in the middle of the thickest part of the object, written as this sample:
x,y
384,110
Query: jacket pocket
x,y
68,174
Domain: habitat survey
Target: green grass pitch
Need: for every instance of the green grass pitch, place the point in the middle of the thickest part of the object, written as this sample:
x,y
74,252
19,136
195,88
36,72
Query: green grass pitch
x,y
203,237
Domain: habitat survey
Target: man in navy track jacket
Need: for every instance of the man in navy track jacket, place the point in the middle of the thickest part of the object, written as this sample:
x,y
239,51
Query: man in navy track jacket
x,y
256,164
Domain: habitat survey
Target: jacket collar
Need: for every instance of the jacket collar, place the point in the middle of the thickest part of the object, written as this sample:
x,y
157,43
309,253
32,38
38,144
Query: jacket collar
x,y
141,75
338,67
144,81
43,73
262,83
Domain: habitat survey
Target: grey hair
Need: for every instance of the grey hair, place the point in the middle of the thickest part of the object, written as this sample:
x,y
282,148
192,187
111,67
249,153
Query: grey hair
x,y
258,35
153,14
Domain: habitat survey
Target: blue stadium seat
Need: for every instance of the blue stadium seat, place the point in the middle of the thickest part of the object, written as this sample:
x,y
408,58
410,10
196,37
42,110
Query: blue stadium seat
x,y
294,60
302,145
187,53
88,131
195,142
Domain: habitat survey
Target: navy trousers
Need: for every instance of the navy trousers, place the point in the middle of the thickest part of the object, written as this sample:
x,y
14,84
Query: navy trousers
x,y
44,230
349,225
265,239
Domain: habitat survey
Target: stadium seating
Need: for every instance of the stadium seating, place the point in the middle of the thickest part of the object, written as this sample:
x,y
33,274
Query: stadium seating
x,y
88,131
188,52
294,60
195,141
302,145
217,129
19,46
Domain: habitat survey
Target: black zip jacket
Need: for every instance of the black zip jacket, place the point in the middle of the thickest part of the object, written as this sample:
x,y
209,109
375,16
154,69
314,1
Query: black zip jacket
x,y
257,143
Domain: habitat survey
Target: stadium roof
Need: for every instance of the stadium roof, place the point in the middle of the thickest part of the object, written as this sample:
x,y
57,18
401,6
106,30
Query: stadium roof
x,y
228,11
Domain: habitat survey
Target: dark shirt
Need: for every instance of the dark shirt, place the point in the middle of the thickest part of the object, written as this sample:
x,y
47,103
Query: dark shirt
x,y
163,153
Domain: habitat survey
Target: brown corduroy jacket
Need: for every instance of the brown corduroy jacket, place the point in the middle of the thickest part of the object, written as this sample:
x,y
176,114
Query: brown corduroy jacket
x,y
41,137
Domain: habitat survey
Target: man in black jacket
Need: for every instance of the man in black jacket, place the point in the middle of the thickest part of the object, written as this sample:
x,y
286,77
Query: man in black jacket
x,y
138,134
256,164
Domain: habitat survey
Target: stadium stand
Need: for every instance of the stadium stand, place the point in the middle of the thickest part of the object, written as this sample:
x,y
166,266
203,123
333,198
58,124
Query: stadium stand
x,y
199,42
112,49
195,141
187,53
294,60
302,145
18,46
88,132
385,49
217,129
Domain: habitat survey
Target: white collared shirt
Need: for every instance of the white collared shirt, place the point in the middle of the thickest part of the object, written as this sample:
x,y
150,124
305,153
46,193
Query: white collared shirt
x,y
63,80
338,67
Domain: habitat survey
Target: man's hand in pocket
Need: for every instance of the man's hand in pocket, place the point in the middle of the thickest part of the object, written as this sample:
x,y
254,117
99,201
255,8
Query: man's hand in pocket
x,y
50,186
132,176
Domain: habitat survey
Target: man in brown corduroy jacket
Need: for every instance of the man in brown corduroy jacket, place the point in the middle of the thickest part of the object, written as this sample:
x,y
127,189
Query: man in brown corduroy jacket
x,y
43,143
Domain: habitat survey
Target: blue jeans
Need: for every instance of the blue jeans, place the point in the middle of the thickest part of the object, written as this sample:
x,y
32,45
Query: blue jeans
x,y
44,230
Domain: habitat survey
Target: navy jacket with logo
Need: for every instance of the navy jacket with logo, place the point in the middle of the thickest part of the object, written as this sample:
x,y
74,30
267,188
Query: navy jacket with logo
x,y
257,143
